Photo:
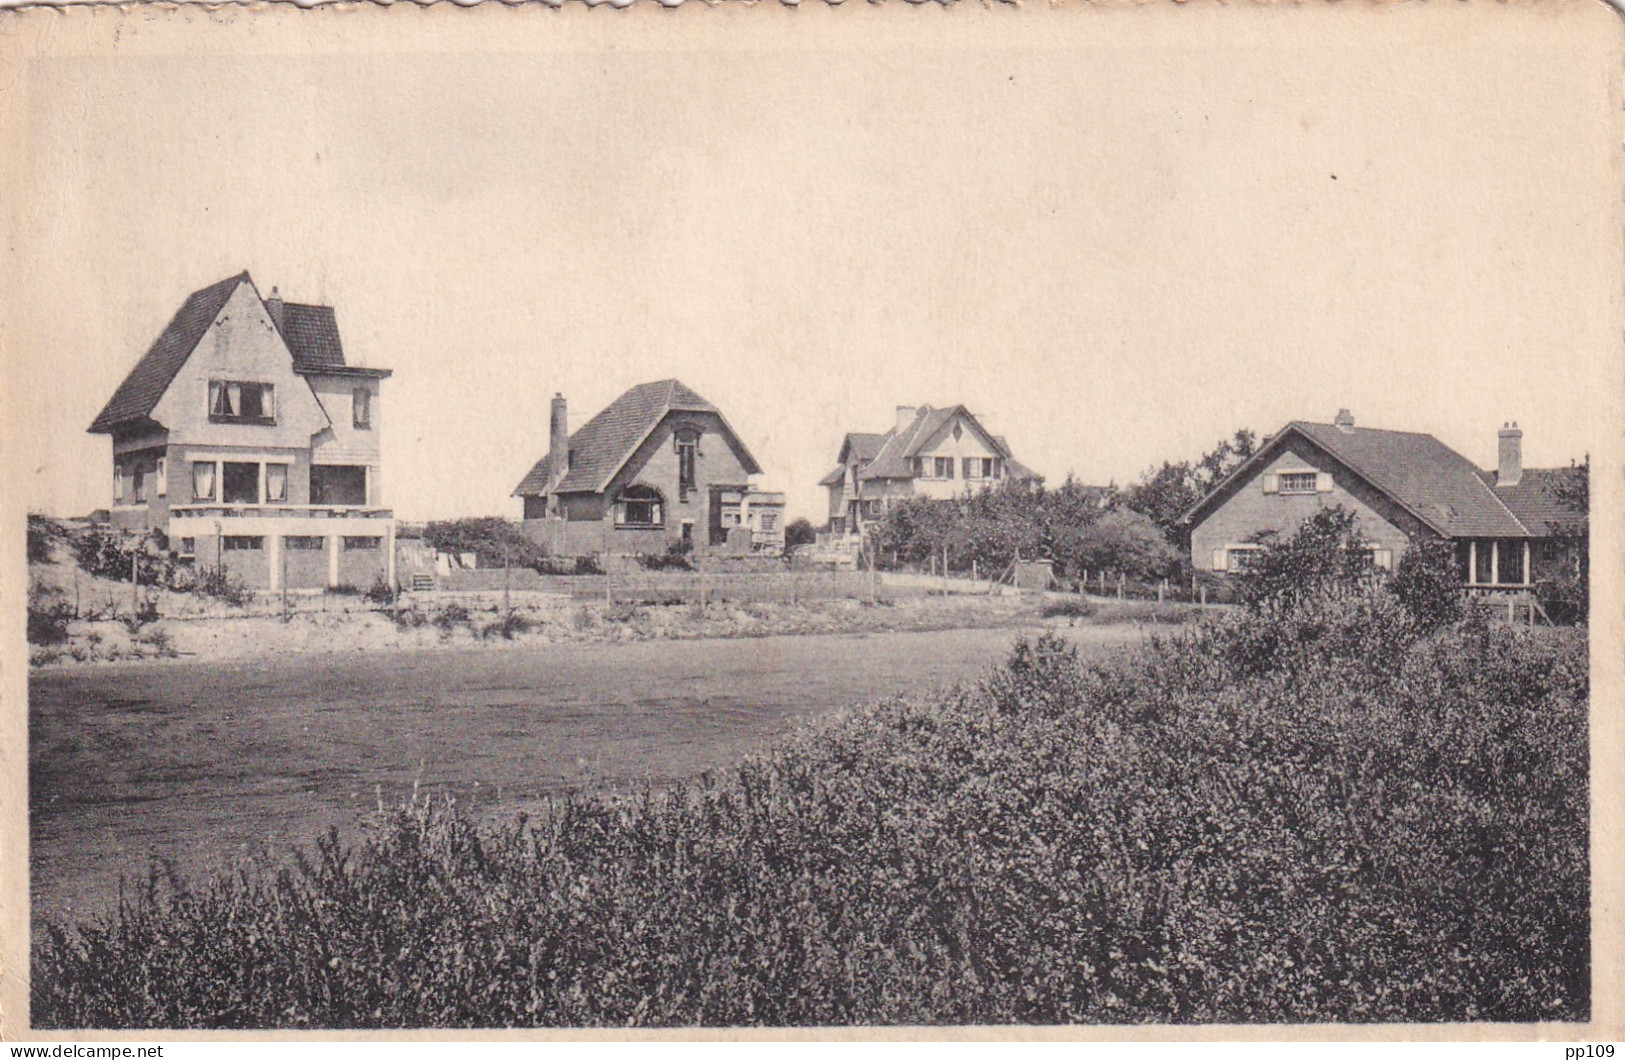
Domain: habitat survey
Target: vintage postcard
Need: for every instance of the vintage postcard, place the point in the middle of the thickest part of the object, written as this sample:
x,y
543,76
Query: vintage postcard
x,y
1098,520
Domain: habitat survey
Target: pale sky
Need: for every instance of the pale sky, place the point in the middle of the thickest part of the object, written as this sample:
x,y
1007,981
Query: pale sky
x,y
1117,241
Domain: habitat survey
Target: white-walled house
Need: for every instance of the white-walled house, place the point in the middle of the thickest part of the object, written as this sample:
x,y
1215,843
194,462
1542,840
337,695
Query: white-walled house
x,y
929,452
243,439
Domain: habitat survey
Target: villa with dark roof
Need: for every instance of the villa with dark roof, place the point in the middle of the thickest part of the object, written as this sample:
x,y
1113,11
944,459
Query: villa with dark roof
x,y
243,440
936,453
659,467
1401,486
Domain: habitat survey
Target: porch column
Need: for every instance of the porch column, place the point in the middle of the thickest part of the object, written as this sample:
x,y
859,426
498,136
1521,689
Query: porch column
x,y
1495,562
273,556
333,543
1526,562
1472,562
389,543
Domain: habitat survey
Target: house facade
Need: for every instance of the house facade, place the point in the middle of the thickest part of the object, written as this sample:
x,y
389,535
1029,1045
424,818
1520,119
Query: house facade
x,y
1401,486
243,440
659,467
928,452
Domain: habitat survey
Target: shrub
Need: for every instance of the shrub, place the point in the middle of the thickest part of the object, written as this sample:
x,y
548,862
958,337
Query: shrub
x,y
410,618
1326,549
450,616
674,558
380,591
146,613
109,554
492,539
1070,607
222,585
507,627
48,615
1427,584
43,533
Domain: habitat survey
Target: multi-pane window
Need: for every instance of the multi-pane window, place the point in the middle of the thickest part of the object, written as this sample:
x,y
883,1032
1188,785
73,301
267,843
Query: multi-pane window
x,y
944,467
770,522
638,506
304,544
361,408
361,544
231,401
241,543
1298,481
978,467
138,484
338,484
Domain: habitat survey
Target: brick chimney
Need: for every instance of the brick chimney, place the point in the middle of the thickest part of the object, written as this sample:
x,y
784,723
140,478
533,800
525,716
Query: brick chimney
x,y
1509,469
1344,420
905,415
273,306
558,444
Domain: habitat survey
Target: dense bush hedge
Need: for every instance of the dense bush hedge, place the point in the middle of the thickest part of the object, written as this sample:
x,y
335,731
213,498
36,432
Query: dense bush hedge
x,y
1320,813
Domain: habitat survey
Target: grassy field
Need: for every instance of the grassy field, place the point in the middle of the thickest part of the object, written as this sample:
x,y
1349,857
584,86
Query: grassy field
x,y
1327,815
206,763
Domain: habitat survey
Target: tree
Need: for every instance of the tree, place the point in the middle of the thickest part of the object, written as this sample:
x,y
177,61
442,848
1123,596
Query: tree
x,y
1568,588
1121,540
799,532
1168,492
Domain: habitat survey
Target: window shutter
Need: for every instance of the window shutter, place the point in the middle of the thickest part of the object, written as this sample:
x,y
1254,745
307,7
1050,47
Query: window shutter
x,y
1272,484
1323,482
1219,559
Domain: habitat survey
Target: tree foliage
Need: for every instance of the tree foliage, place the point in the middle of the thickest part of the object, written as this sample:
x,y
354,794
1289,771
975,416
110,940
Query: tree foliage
x,y
1568,588
1165,493
799,532
1325,551
492,538
1078,527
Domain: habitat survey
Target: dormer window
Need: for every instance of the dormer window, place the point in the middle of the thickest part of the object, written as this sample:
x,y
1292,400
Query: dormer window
x,y
231,401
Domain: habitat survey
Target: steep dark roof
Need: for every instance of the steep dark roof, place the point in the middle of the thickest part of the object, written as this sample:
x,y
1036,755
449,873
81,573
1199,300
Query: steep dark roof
x,y
1421,474
863,445
834,478
138,395
894,459
1534,500
312,335
605,442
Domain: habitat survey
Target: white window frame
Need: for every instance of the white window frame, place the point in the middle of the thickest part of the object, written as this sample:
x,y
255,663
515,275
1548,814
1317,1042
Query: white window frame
x,y
1312,476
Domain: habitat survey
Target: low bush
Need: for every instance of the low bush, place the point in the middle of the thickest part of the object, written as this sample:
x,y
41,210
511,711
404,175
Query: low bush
x,y
507,627
450,616
48,615
1071,607
380,591
1324,812
494,540
222,585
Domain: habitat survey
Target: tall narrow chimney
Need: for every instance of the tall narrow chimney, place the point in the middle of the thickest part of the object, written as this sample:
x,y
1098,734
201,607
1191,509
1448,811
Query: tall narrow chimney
x,y
273,306
905,415
558,444
1509,469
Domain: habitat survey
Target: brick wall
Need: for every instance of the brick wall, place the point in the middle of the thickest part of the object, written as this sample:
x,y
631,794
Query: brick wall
x,y
1248,509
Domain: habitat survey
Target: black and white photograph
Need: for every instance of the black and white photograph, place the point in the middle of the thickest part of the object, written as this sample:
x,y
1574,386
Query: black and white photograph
x,y
838,516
